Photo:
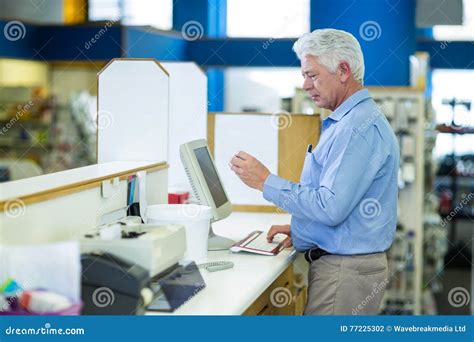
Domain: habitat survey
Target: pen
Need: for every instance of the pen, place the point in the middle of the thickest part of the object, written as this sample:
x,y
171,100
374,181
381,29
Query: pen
x,y
310,148
132,190
129,180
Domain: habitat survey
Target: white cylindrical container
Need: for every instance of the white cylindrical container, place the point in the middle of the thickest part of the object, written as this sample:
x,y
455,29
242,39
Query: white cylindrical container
x,y
195,218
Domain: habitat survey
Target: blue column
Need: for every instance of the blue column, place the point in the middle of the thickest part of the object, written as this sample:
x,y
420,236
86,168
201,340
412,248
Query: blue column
x,y
212,15
385,30
189,10
217,18
215,89
424,32
216,28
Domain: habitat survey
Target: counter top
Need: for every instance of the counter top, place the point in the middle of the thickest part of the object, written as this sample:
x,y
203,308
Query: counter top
x,y
232,291
51,185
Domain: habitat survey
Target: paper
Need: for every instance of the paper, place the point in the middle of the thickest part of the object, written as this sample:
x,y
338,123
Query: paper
x,y
254,134
55,267
408,172
408,146
141,179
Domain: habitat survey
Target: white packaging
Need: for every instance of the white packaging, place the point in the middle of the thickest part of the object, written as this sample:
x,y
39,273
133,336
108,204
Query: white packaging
x,y
195,218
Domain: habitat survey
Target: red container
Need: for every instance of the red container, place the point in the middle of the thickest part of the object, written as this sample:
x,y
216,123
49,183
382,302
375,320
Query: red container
x,y
178,198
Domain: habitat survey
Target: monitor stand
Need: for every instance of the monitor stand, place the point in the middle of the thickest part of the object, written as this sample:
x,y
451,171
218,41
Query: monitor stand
x,y
218,243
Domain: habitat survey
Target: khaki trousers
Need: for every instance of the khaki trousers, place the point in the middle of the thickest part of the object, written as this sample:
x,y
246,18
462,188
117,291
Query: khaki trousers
x,y
347,285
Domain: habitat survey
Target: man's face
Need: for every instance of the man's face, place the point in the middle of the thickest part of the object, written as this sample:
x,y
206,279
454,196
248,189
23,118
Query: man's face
x,y
321,85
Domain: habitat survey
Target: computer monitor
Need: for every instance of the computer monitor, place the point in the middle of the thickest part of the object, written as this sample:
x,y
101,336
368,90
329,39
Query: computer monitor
x,y
207,186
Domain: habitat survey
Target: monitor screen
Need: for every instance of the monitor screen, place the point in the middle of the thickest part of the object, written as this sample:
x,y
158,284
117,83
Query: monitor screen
x,y
210,174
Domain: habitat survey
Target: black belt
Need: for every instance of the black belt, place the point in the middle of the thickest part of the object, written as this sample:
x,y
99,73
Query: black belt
x,y
314,254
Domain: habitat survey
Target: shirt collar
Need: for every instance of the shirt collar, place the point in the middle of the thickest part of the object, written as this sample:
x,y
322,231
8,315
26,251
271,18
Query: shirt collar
x,y
349,103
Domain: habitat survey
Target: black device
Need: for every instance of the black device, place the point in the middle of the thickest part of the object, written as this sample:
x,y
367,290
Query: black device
x,y
176,287
4,174
111,285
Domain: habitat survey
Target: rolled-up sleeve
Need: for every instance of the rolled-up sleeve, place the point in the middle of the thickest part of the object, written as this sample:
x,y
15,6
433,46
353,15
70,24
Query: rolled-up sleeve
x,y
349,169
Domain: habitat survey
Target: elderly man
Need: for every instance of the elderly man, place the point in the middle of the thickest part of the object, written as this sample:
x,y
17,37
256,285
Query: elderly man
x,y
344,210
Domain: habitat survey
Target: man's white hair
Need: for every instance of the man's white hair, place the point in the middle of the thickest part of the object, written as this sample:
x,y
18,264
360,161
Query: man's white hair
x,y
331,47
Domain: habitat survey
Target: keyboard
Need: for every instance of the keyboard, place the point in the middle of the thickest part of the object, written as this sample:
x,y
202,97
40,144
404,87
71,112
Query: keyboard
x,y
256,242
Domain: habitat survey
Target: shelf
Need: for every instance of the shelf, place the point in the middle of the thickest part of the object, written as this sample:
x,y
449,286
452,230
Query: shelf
x,y
39,123
461,180
465,212
26,146
454,130
459,216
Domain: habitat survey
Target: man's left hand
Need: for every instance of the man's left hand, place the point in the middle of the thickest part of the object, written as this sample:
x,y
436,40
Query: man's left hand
x,y
249,169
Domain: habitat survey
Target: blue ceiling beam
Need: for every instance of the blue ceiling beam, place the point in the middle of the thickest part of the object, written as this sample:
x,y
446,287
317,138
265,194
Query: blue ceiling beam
x,y
145,42
243,52
58,42
449,54
92,42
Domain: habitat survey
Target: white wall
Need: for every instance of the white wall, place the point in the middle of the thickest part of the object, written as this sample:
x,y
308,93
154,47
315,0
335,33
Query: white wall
x,y
38,11
187,115
261,88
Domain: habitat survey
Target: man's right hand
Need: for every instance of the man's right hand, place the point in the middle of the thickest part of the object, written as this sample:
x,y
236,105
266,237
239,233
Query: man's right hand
x,y
282,229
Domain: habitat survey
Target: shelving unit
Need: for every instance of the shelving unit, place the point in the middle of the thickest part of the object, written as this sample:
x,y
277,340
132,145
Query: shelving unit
x,y
60,143
27,118
404,107
449,185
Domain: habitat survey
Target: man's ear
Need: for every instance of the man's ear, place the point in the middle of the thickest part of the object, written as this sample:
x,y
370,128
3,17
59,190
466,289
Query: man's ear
x,y
344,71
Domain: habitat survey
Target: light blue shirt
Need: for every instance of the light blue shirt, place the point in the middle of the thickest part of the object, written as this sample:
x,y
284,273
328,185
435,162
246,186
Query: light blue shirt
x,y
346,201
